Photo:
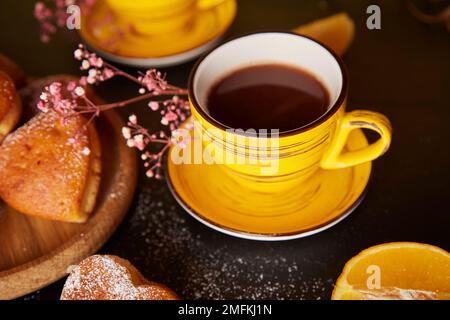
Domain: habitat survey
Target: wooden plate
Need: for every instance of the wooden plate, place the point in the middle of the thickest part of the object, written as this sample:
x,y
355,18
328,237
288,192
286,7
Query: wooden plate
x,y
35,252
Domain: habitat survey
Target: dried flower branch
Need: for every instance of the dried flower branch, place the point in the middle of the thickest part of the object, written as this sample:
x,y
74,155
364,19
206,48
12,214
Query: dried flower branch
x,y
54,16
140,138
51,17
71,99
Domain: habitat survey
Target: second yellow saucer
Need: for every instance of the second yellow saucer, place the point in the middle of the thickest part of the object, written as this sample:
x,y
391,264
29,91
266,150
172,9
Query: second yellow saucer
x,y
209,194
106,34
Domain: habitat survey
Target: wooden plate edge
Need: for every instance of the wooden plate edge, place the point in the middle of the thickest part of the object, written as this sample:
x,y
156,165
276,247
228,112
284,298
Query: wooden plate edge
x,y
39,273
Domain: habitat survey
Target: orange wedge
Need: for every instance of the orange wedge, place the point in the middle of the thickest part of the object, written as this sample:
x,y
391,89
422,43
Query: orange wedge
x,y
336,32
396,271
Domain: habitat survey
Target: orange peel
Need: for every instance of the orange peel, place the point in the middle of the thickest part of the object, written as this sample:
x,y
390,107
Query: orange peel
x,y
406,271
336,32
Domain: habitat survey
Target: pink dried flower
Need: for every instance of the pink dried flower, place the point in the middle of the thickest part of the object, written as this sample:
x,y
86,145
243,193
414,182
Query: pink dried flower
x,y
55,15
55,88
78,54
52,99
83,81
153,105
107,73
139,142
98,70
85,65
126,132
72,100
140,138
133,119
79,91
71,86
50,18
96,61
171,116
153,81
130,143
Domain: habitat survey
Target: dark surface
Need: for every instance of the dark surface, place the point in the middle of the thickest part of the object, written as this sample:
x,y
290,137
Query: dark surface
x,y
402,71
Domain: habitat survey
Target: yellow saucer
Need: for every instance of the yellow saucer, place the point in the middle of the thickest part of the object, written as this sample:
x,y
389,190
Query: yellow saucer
x,y
212,197
156,50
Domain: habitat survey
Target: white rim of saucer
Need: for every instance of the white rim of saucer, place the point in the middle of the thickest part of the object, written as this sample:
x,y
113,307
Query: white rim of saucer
x,y
158,62
263,237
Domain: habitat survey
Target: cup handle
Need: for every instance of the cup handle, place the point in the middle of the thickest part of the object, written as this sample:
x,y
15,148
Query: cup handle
x,y
335,158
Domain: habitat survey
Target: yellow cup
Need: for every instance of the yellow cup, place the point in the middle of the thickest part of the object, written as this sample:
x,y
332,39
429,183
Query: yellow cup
x,y
279,161
157,16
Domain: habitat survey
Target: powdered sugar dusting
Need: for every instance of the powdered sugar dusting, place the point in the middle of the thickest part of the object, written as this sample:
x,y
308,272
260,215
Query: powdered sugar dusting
x,y
106,278
170,247
103,276
199,263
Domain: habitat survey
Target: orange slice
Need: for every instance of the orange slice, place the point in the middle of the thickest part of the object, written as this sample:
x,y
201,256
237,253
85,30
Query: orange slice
x,y
396,271
336,32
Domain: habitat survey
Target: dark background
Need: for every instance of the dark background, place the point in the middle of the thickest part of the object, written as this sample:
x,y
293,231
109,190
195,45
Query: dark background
x,y
402,70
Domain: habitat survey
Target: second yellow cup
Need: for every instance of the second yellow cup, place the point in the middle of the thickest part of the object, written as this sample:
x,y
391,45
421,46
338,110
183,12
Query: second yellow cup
x,y
157,16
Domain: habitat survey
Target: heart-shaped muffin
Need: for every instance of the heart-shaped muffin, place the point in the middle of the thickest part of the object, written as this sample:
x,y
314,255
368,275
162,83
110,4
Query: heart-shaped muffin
x,y
51,168
10,105
105,277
